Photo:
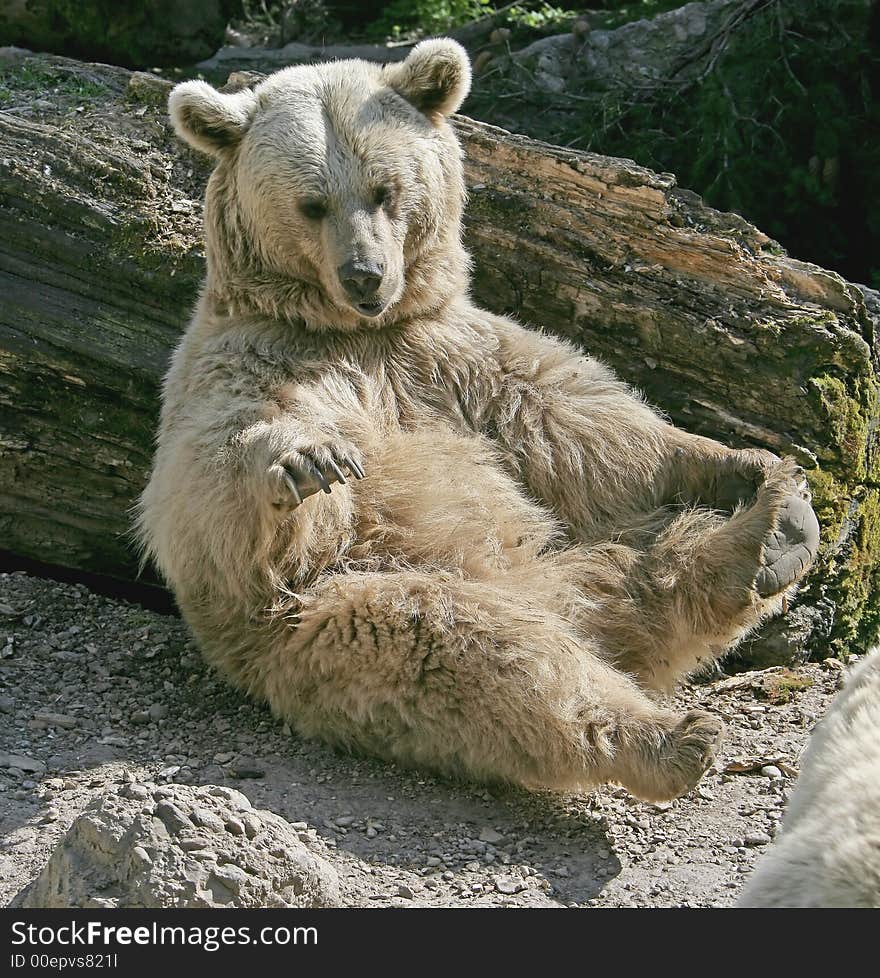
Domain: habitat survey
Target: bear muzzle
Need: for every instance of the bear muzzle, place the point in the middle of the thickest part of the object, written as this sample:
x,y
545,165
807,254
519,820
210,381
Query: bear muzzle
x,y
361,280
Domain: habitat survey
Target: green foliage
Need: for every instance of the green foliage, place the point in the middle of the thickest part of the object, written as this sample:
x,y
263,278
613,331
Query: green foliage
x,y
776,116
617,12
539,17
403,17
782,128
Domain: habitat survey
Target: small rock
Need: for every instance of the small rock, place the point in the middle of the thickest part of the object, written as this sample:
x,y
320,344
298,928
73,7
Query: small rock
x,y
206,819
252,825
21,763
175,820
56,720
771,771
234,826
231,876
194,844
136,792
147,88
235,798
757,839
508,884
491,836
405,892
833,665
246,769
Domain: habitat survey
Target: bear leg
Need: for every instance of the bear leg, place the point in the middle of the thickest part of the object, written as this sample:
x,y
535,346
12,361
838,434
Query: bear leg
x,y
706,580
431,669
705,472
709,474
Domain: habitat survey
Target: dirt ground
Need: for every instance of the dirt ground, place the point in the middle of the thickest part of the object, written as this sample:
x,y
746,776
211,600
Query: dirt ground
x,y
92,688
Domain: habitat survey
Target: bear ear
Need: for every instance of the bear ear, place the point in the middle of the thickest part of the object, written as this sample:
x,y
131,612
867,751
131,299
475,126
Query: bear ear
x,y
209,120
435,77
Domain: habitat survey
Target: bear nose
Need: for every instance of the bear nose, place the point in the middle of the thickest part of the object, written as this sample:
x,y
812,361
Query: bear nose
x,y
360,279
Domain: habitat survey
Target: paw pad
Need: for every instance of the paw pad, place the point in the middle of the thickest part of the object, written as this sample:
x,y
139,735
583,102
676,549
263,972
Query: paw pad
x,y
790,547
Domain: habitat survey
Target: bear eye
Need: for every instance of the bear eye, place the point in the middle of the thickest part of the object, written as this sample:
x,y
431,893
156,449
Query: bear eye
x,y
383,196
313,208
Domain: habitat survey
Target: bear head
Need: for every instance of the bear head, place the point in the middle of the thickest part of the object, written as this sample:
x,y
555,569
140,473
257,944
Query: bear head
x,y
338,189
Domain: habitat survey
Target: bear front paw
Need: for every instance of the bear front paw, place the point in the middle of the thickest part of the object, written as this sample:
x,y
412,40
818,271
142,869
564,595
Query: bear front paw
x,y
299,473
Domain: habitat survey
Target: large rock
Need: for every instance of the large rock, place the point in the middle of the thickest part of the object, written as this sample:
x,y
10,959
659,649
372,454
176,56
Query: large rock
x,y
136,33
642,52
646,52
180,846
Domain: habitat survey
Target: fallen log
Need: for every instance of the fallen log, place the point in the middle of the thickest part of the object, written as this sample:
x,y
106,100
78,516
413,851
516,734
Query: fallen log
x,y
101,256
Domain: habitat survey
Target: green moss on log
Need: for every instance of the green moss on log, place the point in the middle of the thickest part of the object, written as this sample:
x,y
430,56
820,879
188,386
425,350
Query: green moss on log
x,y
851,412
847,503
47,80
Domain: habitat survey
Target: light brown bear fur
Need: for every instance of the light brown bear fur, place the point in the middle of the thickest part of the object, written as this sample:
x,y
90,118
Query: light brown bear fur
x,y
517,571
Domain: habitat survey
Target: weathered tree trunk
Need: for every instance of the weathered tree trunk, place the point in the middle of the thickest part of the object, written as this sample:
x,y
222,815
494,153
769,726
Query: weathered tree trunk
x,y
100,260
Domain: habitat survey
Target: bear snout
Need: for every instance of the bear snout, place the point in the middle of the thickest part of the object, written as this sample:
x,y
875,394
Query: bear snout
x,y
361,280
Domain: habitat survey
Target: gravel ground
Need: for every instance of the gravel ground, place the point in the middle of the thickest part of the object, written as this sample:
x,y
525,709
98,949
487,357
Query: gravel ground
x,y
94,690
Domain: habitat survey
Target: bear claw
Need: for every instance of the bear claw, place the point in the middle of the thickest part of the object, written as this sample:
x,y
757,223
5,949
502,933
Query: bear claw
x,y
305,473
790,547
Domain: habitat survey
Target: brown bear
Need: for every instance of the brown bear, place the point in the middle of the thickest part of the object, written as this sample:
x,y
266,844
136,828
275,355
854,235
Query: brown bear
x,y
413,527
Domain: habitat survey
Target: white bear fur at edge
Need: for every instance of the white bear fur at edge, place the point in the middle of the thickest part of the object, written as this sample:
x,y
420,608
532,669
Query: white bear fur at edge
x,y
829,852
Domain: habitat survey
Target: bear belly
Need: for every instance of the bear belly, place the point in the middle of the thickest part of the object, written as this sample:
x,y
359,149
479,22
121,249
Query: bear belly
x,y
435,497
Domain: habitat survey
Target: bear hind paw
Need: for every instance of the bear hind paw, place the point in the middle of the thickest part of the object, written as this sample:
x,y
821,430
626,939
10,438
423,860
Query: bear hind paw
x,y
790,547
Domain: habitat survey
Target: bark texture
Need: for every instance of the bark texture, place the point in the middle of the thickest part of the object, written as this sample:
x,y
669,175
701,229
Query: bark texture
x,y
101,256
